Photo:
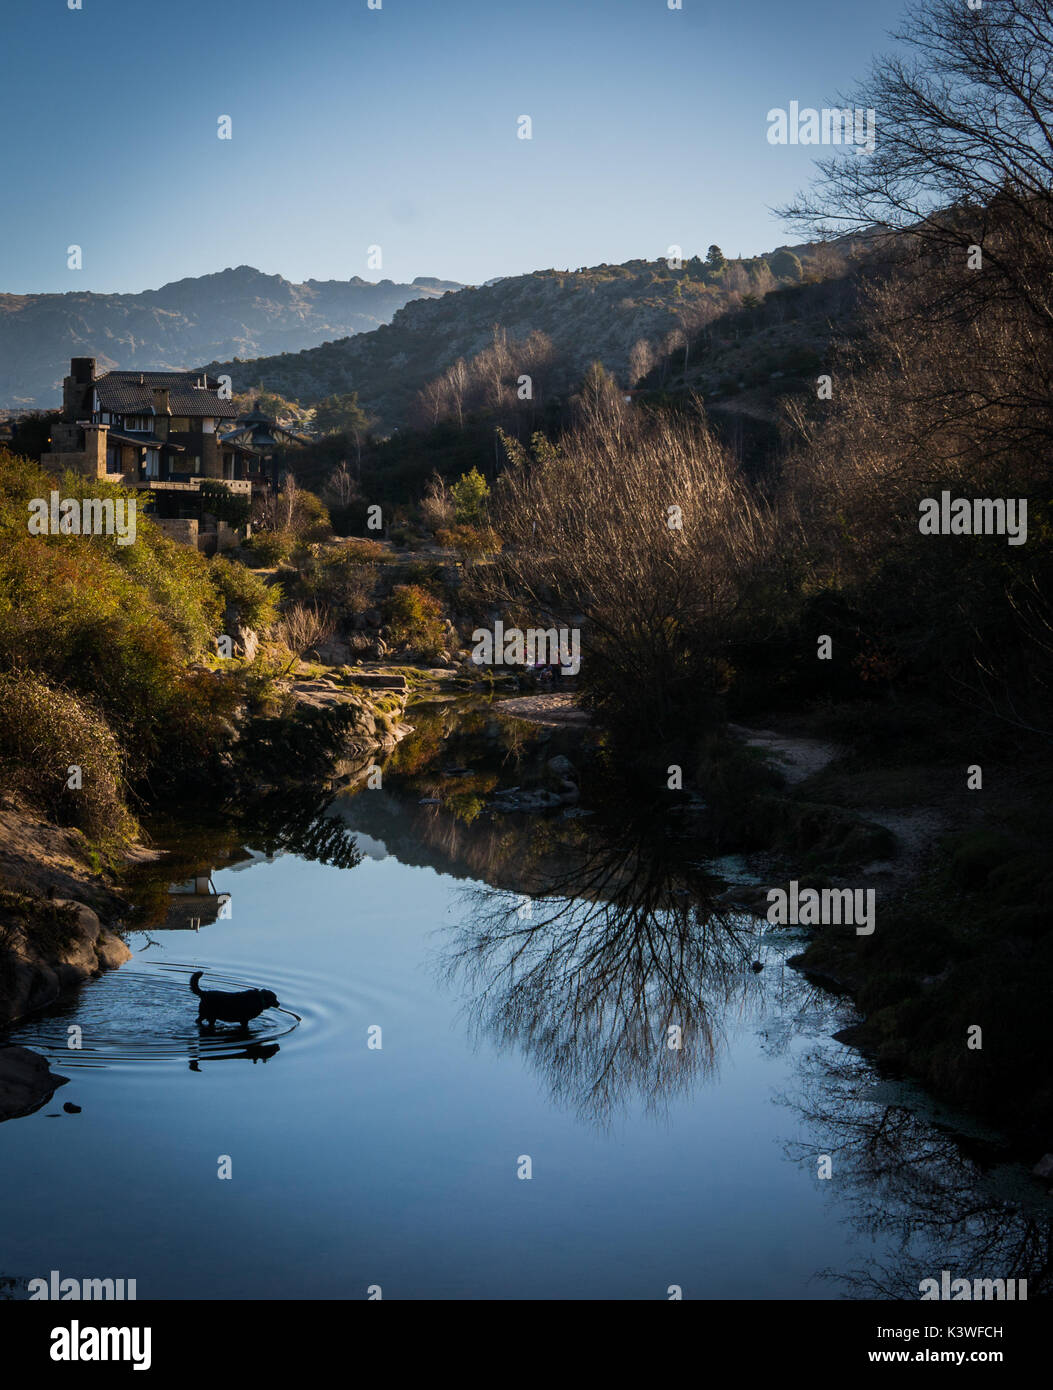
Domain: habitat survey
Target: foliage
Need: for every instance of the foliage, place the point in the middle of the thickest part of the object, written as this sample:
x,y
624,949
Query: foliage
x,y
224,504
414,619
784,265
44,734
245,591
471,542
310,520
341,414
269,548
470,493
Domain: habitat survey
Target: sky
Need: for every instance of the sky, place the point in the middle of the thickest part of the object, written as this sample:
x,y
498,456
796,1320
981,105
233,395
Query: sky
x,y
396,128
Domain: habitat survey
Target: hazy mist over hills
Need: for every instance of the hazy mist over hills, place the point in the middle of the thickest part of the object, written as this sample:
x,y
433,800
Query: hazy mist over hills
x,y
237,312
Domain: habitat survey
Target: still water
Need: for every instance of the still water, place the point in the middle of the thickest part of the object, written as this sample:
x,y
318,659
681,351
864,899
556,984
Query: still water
x,y
551,993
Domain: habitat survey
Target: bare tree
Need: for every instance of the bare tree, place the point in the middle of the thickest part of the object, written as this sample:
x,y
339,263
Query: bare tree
x,y
963,156
305,625
644,532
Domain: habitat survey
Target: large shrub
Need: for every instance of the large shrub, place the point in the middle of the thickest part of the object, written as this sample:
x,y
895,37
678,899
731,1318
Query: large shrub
x,y
244,590
269,548
414,619
117,627
62,756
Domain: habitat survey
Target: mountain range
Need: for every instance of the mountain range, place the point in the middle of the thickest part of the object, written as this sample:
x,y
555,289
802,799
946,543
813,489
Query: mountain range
x,y
235,313
702,325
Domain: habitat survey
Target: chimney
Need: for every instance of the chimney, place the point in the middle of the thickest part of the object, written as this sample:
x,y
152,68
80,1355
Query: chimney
x,y
77,390
161,412
95,450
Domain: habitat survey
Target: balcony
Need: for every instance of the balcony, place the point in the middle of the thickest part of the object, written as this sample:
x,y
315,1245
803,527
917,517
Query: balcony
x,y
238,486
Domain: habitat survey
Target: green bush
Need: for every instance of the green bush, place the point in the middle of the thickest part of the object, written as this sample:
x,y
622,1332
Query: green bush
x,y
224,504
359,551
255,601
785,265
414,619
268,548
116,628
311,519
470,493
470,542
48,740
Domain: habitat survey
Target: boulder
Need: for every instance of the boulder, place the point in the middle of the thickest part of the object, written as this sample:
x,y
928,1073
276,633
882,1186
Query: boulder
x,y
26,1082
331,653
1044,1168
561,766
245,640
380,680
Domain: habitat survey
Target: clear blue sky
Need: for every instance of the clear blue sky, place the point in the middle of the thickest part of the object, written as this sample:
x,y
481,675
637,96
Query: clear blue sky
x,y
397,127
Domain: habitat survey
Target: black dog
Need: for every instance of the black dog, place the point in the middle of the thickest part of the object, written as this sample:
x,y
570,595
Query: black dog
x,y
230,1008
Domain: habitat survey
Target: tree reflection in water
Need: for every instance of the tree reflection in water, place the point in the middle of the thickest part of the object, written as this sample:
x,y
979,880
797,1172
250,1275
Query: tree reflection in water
x,y
951,1203
591,966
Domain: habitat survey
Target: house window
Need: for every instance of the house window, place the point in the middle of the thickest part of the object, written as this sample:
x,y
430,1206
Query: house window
x,y
195,464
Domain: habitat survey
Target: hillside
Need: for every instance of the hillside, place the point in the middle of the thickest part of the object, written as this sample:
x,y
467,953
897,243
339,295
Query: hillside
x,y
630,317
234,313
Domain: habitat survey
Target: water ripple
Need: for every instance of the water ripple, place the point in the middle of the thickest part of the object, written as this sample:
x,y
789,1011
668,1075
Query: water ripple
x,y
145,1014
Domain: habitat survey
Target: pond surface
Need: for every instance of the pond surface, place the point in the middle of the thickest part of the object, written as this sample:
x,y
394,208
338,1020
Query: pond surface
x,y
551,993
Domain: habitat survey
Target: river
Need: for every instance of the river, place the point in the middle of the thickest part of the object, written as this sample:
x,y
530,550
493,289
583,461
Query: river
x,y
515,1056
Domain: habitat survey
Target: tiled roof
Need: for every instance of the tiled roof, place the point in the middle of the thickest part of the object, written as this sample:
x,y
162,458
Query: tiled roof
x,y
132,393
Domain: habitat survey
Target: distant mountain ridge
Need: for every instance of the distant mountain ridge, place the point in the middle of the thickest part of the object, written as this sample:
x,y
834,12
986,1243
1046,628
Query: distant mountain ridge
x,y
238,312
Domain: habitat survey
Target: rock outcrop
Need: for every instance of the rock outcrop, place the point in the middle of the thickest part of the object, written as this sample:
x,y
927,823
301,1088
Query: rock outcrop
x,y
26,1082
53,907
56,944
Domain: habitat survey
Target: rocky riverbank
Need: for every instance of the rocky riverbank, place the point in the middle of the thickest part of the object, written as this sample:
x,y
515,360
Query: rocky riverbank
x,y
57,907
961,882
55,904
61,908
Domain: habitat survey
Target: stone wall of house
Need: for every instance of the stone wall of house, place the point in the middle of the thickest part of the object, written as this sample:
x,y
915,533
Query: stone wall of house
x,y
215,539
181,529
80,448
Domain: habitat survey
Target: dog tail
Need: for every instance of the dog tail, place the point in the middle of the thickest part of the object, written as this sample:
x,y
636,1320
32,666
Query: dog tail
x,y
194,979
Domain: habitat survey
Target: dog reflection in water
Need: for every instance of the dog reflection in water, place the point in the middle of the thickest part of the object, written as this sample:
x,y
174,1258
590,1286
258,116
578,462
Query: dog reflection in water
x,y
257,1052
216,1005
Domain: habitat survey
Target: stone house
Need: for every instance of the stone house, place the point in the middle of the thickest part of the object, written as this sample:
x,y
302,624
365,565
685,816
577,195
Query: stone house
x,y
162,433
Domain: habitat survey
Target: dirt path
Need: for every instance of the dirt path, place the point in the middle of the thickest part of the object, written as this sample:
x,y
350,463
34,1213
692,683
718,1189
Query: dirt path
x,y
796,758
557,710
916,828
